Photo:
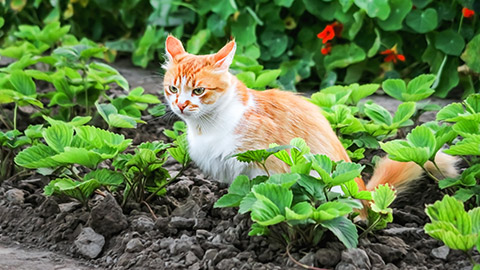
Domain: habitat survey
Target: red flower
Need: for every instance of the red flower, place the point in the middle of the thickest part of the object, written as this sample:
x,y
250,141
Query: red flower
x,y
392,55
326,49
467,13
330,31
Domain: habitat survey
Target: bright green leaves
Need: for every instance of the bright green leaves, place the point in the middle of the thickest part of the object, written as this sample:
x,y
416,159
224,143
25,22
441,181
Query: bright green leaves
x,y
456,112
466,184
451,224
259,80
180,149
375,8
417,89
239,188
422,21
344,230
87,147
382,196
75,189
297,198
419,147
383,120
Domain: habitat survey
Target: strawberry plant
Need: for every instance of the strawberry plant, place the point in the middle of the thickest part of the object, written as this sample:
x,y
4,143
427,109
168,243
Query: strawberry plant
x,y
454,226
298,208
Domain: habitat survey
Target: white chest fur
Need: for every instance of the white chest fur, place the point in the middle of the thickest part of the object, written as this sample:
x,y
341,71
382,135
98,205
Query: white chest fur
x,y
213,142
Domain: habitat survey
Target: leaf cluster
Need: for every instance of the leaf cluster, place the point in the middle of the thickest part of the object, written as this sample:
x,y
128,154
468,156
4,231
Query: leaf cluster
x,y
297,206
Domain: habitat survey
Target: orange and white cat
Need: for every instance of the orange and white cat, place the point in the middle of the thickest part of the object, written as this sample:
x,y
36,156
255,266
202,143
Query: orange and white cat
x,y
224,117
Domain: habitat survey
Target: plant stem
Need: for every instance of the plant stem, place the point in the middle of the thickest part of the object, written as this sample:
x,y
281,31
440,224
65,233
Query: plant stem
x,y
430,175
150,209
438,169
265,168
15,116
371,227
460,24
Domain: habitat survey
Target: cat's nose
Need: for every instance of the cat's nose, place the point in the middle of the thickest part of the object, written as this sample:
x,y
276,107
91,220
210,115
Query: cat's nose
x,y
183,105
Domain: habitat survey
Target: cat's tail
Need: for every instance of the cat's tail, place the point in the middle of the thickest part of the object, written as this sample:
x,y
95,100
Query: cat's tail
x,y
400,174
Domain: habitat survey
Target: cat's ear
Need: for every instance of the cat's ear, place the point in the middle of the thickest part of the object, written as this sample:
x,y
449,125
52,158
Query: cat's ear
x,y
224,57
173,48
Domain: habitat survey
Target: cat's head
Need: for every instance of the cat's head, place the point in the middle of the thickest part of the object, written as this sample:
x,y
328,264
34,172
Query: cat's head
x,y
194,83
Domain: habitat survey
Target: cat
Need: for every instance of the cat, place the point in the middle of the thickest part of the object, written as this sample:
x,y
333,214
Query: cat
x,y
224,117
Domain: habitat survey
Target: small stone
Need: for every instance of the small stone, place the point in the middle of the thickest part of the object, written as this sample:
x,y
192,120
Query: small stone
x,y
49,208
189,209
69,207
402,231
107,217
357,257
162,223
182,223
89,243
210,254
440,252
190,258
15,196
143,224
327,257
134,245
308,259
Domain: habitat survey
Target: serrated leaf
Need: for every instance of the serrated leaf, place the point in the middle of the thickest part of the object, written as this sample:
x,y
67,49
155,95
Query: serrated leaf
x,y
344,230
383,196
299,211
331,210
37,156
105,177
345,171
58,136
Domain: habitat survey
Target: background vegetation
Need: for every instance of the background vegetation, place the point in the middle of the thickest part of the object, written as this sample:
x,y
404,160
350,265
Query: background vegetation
x,y
361,41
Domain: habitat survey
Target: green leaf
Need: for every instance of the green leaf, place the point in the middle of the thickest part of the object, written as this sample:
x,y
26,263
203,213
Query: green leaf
x,y
247,203
58,136
37,156
361,91
265,212
267,77
422,136
299,211
344,55
78,190
452,211
394,88
422,21
450,42
403,152
331,210
278,195
22,83
258,230
378,114
383,196
470,55
375,8
74,155
345,171
344,230
285,179
450,112
197,41
404,112
313,186
468,146
399,10
106,177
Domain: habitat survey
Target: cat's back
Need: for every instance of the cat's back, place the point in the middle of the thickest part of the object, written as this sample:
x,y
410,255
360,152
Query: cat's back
x,y
279,116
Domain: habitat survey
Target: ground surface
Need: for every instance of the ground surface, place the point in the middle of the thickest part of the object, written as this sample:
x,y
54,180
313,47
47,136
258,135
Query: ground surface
x,y
187,232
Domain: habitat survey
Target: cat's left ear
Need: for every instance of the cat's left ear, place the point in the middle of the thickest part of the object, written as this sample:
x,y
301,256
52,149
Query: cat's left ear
x,y
173,48
224,57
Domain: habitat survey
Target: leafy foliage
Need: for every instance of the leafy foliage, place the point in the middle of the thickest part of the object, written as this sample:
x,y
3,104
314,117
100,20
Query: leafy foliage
x,y
398,38
297,201
452,225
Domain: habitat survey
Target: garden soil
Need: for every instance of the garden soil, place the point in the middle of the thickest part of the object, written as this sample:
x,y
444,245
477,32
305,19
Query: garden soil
x,y
182,230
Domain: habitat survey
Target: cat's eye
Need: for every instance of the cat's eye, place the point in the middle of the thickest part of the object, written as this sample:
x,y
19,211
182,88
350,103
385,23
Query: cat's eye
x,y
173,89
198,91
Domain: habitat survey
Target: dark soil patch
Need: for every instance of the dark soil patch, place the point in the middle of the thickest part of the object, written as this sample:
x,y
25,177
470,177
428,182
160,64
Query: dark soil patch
x,y
189,233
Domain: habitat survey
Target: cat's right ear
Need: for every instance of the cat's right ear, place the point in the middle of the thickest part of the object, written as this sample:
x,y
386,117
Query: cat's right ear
x,y
224,57
173,48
